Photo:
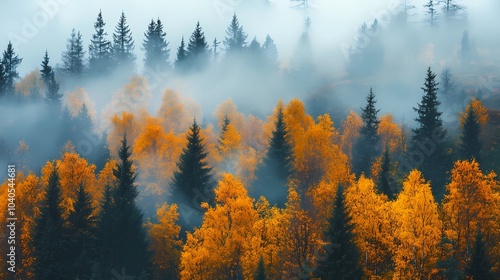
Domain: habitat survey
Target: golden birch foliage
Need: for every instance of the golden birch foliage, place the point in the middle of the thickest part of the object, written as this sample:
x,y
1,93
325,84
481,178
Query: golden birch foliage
x,y
218,246
230,141
125,123
31,85
323,197
75,101
418,229
229,109
479,110
252,134
371,214
297,121
391,134
172,114
105,178
471,201
270,123
165,242
350,132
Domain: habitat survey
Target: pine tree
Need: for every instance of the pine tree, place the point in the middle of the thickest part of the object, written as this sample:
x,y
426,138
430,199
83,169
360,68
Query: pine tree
x,y
277,165
384,175
2,80
260,274
254,48
451,10
180,62
49,238
215,49
424,137
480,265
431,11
72,58
52,95
123,43
156,47
100,48
81,232
341,259
193,181
197,49
130,245
466,51
105,236
235,40
448,264
270,52
223,129
366,148
10,62
471,145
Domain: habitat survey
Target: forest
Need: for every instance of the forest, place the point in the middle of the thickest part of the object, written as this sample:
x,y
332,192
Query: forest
x,y
225,159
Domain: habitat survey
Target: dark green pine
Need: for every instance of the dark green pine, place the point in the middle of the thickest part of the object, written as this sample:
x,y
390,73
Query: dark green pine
x,y
260,274
471,145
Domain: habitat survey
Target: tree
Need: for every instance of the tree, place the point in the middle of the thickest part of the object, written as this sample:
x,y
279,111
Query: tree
x,y
2,80
341,259
123,43
431,11
451,10
72,58
260,274
447,83
81,233
480,266
193,181
105,233
429,136
235,40
471,129
197,48
156,47
49,237
52,95
270,52
99,48
385,175
466,51
367,148
10,62
215,51
180,61
277,165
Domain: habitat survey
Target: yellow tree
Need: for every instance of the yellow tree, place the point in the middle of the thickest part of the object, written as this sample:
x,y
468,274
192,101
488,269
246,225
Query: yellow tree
x,y
479,110
350,132
218,246
31,85
391,134
229,145
417,231
172,114
228,109
165,242
371,214
471,202
76,99
125,123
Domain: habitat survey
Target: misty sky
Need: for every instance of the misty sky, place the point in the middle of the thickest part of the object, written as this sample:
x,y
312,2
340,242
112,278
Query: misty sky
x,y
334,22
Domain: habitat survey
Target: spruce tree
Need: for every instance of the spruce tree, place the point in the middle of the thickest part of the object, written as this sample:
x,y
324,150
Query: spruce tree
x,y
429,137
130,245
277,166
431,11
180,62
270,53
235,40
366,148
384,175
72,58
471,129
105,233
197,48
341,259
193,181
122,49
223,129
52,95
10,62
215,49
2,80
156,47
260,274
480,266
81,232
49,238
100,47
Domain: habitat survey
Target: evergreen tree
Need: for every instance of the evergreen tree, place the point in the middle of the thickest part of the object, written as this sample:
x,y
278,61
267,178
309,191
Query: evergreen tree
x,y
424,137
255,49
100,47
451,10
123,44
270,52
215,49
260,274
52,95
449,265
471,129
235,40
341,259
197,49
447,83
193,181
366,148
156,47
431,11
10,62
180,62
130,246
49,238
81,233
466,51
277,165
384,175
480,267
223,129
2,80
104,236
72,58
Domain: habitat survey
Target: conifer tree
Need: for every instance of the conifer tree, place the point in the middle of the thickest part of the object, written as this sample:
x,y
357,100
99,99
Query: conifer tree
x,y
341,259
52,95
180,61
471,129
2,80
72,58
197,48
104,236
270,52
366,148
384,175
49,237
123,43
10,62
480,265
429,136
215,49
223,129
235,40
260,274
99,48
156,47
